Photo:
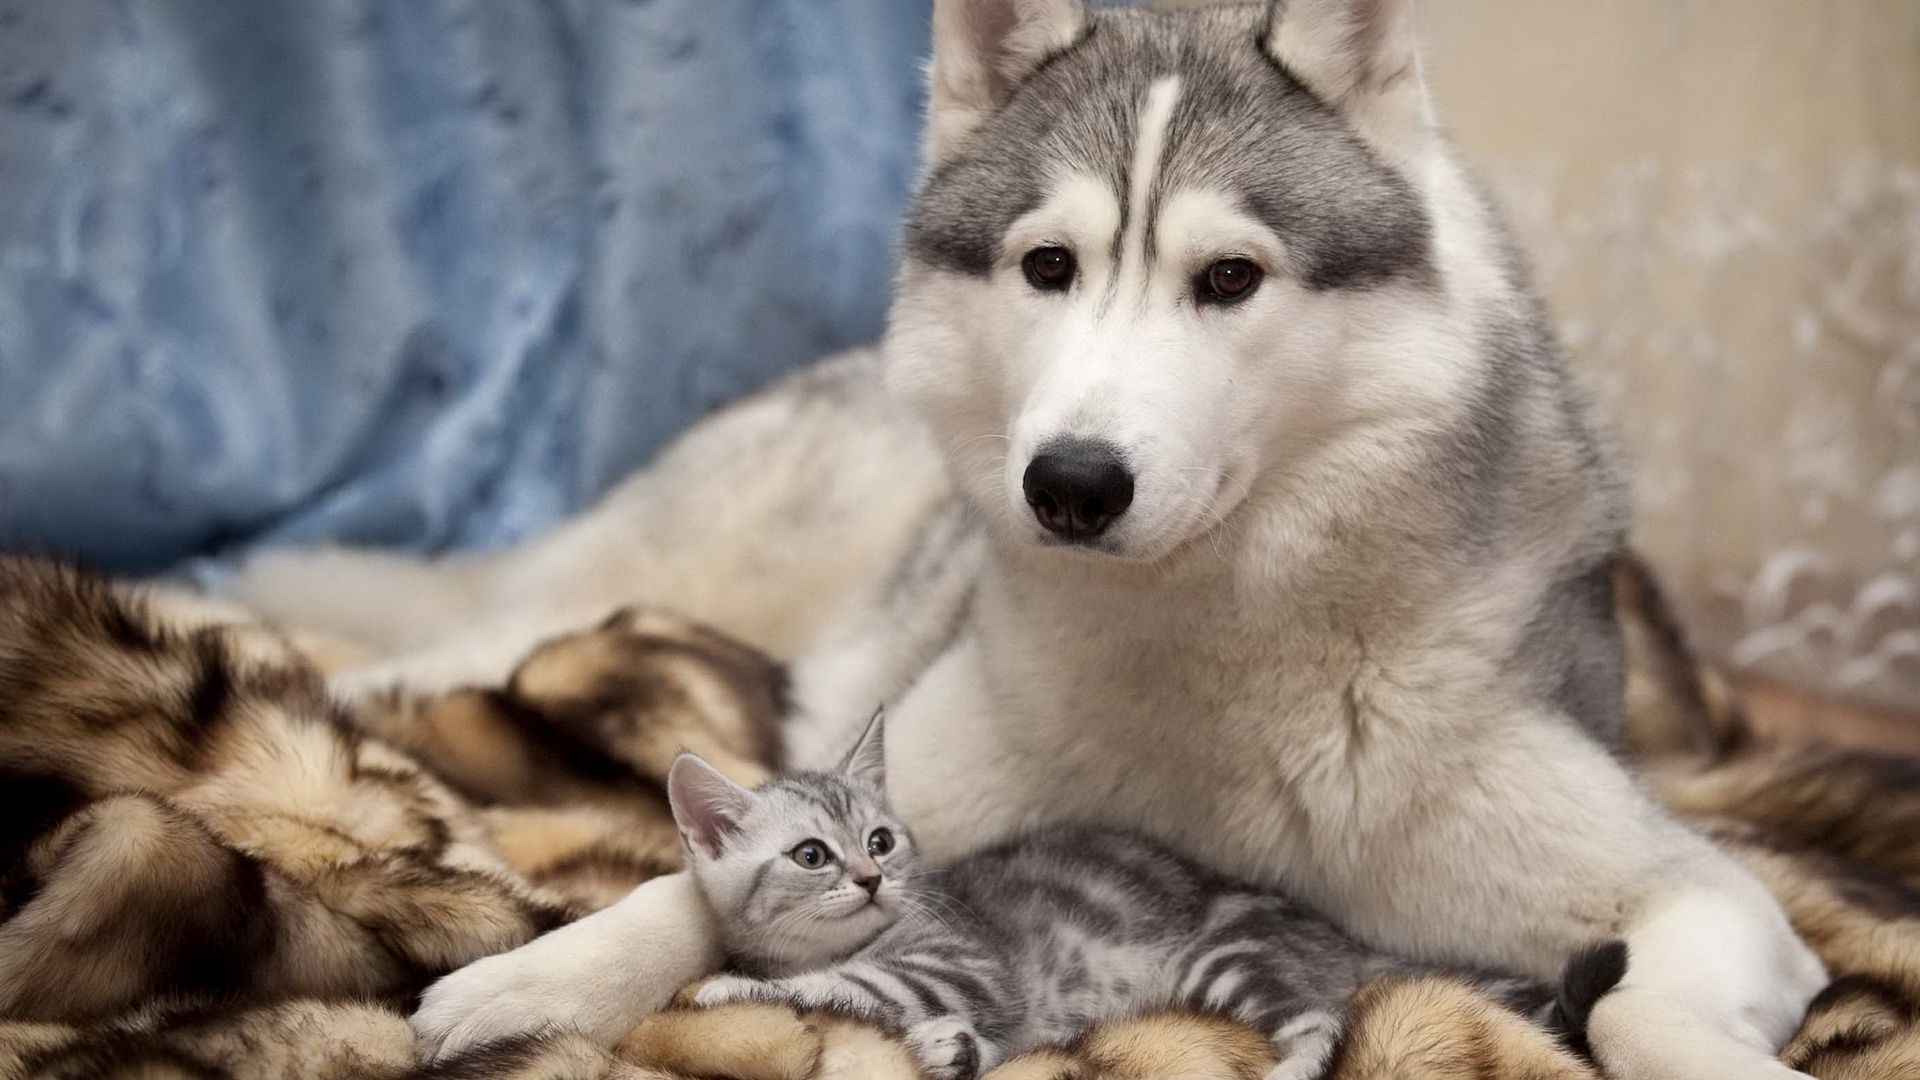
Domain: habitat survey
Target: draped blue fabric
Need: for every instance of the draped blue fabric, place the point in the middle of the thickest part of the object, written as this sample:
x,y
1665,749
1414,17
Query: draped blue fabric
x,y
421,272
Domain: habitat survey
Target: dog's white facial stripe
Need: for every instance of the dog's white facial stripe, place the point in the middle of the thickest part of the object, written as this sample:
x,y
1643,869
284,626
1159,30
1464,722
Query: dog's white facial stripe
x,y
1149,148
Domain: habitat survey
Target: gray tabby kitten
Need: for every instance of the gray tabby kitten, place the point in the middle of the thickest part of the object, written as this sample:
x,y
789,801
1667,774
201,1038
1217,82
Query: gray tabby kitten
x,y
1028,943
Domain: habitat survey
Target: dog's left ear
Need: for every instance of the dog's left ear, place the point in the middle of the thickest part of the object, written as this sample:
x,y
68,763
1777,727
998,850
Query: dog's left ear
x,y
1360,56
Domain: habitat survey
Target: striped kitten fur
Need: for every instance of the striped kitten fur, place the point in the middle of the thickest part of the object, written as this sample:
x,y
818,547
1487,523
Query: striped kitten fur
x,y
823,904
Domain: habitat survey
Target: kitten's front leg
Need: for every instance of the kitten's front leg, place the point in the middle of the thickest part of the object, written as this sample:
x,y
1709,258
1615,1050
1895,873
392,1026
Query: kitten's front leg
x,y
829,990
727,989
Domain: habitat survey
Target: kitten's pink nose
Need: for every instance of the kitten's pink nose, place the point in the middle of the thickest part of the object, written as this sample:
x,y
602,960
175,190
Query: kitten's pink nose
x,y
869,882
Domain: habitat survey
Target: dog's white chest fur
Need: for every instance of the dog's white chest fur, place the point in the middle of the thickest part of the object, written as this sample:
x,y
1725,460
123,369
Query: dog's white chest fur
x,y
1274,744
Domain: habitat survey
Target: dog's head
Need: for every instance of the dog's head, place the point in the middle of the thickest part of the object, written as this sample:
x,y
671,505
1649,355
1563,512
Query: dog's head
x,y
1159,258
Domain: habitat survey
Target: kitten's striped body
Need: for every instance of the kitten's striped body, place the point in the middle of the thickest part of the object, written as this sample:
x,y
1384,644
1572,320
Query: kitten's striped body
x,y
1031,942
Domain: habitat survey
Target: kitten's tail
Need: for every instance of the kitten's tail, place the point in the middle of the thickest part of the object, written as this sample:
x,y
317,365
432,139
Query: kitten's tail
x,y
1564,1009
1590,975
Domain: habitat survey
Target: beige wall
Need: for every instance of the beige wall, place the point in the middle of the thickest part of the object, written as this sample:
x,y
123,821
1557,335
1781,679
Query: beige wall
x,y
1722,202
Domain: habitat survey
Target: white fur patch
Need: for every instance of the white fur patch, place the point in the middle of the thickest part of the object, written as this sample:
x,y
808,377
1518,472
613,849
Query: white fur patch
x,y
1305,1043
1149,147
1080,212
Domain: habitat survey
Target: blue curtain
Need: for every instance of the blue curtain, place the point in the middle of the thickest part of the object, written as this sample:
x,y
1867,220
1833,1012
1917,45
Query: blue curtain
x,y
419,272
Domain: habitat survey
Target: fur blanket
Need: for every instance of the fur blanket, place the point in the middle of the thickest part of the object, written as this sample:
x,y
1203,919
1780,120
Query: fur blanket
x,y
209,868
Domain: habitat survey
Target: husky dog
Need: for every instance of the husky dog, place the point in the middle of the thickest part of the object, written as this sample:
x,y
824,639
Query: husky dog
x,y
1235,493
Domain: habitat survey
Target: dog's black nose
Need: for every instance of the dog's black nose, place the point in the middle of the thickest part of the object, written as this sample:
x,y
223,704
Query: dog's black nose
x,y
1077,487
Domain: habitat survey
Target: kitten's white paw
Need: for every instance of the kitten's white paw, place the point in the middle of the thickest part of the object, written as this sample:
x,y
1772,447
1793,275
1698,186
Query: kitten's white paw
x,y
729,988
1295,1068
1304,1045
947,1048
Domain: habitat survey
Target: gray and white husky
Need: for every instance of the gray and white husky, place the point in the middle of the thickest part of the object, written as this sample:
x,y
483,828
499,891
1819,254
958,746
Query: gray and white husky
x,y
1221,481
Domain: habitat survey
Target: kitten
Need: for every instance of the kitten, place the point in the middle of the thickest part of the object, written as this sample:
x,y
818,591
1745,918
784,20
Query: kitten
x,y
822,903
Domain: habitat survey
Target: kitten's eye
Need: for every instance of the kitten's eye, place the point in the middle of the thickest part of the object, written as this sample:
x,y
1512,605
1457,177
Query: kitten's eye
x,y
1049,269
1227,281
880,842
810,854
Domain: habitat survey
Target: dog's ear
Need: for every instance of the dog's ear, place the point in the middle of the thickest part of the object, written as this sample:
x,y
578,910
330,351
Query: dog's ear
x,y
1360,56
867,761
981,48
707,806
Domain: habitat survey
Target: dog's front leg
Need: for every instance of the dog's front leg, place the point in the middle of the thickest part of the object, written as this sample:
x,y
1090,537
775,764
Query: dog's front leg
x,y
1716,982
599,976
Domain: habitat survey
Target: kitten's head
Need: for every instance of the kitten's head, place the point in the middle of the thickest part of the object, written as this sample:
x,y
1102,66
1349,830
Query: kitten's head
x,y
803,870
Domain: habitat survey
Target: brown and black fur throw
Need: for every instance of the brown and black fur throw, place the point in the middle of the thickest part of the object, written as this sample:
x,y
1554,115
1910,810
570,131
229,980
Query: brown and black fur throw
x,y
210,868
203,856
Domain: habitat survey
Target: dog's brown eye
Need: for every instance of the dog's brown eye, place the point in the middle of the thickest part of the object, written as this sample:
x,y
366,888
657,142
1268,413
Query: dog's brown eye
x,y
1228,281
810,854
1049,269
880,841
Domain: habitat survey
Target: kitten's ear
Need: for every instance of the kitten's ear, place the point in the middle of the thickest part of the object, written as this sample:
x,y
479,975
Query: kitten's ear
x,y
1360,56
867,761
981,48
707,806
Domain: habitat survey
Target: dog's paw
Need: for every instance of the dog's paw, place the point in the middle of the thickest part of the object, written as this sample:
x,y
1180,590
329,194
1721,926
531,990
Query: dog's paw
x,y
529,991
599,976
946,1048
493,998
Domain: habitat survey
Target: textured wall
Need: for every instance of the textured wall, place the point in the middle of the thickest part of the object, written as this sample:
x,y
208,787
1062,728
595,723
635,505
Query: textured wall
x,y
1722,200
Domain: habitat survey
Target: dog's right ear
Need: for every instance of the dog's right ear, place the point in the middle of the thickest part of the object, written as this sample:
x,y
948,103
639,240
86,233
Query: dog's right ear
x,y
981,49
707,806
